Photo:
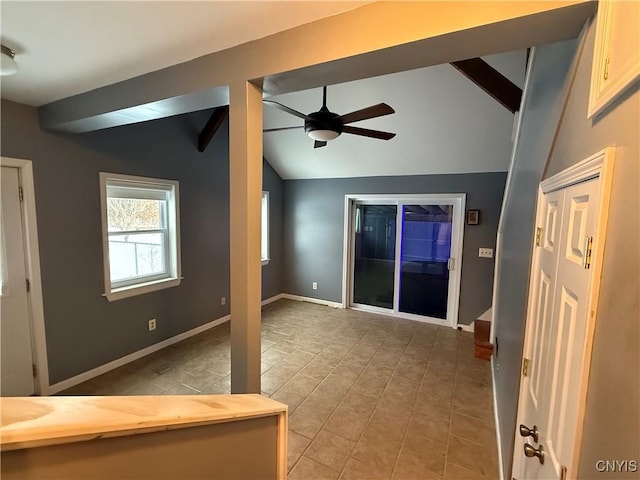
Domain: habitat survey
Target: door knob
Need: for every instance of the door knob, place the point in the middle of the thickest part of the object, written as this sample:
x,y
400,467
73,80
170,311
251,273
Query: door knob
x,y
530,451
529,432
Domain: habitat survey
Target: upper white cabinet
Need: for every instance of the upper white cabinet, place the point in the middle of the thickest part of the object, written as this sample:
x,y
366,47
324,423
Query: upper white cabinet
x,y
616,56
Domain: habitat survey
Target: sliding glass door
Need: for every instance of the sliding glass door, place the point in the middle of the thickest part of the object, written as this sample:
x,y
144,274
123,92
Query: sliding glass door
x,y
403,251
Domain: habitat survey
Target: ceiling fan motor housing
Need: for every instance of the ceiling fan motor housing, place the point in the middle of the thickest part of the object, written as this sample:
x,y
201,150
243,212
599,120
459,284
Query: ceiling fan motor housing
x,y
323,120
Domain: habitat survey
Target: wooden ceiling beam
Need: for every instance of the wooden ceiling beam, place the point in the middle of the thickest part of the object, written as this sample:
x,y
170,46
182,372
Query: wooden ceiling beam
x,y
218,116
491,81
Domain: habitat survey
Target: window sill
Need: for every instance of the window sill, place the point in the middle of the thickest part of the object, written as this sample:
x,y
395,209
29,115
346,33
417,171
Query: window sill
x,y
141,288
265,261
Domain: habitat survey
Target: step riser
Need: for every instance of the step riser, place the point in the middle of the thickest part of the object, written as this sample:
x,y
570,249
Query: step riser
x,y
483,348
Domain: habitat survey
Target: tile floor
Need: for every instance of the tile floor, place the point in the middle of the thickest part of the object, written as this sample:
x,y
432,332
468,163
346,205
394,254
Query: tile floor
x,y
369,396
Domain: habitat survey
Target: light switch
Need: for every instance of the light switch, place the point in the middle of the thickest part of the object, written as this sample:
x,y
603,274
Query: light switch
x,y
485,252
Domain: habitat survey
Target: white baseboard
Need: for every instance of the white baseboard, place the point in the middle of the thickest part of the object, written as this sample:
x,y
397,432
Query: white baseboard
x,y
311,300
88,375
269,300
497,422
467,328
107,367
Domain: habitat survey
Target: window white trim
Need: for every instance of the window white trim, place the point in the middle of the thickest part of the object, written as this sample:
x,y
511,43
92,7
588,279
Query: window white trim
x,y
265,253
149,188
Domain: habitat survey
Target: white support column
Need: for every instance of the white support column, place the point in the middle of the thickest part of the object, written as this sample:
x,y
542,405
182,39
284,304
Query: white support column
x,y
245,173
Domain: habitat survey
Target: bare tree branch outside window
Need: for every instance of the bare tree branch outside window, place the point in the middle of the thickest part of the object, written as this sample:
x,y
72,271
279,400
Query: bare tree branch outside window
x,y
125,214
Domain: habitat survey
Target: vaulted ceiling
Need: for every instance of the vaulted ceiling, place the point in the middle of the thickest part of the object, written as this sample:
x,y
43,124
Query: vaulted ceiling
x,y
444,123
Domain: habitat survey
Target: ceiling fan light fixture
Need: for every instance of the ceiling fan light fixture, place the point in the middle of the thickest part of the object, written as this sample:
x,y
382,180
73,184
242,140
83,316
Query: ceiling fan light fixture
x,y
323,135
8,66
325,125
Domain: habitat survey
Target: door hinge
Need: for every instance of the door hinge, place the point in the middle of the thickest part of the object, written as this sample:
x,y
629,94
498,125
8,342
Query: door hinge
x,y
28,285
34,369
21,194
563,473
538,236
450,263
525,367
586,256
605,74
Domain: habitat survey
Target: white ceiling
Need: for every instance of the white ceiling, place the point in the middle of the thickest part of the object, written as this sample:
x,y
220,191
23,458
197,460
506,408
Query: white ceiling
x,y
66,48
444,123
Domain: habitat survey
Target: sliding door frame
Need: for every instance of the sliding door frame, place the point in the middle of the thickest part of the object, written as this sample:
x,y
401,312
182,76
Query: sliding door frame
x,y
458,200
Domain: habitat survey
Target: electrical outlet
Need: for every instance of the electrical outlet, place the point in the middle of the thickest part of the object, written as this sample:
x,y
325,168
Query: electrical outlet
x,y
314,285
485,252
223,300
152,324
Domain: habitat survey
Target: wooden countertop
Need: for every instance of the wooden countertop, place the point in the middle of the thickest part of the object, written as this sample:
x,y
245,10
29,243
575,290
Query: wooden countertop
x,y
27,422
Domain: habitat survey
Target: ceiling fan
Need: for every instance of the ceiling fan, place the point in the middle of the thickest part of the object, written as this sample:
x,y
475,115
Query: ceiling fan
x,y
325,125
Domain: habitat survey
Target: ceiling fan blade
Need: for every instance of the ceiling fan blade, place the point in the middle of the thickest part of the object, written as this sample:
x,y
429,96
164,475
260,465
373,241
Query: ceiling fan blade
x,y
373,111
365,132
282,128
286,109
318,144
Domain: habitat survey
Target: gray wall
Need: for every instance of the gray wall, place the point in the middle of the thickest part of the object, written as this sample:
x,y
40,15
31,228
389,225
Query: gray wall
x,y
83,329
612,418
314,231
539,120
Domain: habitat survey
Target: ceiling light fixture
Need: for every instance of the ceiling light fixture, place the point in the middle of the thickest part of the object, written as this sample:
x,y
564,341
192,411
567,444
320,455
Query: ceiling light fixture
x,y
8,66
323,135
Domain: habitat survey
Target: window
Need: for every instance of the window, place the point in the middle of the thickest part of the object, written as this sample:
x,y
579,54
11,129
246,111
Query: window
x,y
140,234
264,245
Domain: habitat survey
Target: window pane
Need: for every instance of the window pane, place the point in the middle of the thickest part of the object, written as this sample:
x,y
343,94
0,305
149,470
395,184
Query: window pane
x,y
375,253
426,248
126,214
136,255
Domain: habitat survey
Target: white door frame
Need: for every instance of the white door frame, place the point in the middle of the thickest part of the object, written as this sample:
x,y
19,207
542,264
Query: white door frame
x,y
36,309
458,200
598,165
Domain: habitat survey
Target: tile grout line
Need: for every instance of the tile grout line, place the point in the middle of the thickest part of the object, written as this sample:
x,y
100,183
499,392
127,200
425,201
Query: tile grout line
x,y
404,436
377,402
325,422
341,472
397,456
446,453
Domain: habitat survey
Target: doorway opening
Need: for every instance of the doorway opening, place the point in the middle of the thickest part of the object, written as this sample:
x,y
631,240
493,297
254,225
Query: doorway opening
x,y
404,255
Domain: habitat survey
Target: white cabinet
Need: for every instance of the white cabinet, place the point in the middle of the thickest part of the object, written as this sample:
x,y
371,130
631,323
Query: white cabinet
x,y
616,55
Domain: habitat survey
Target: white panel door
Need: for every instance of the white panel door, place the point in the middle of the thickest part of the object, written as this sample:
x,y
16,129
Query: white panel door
x,y
16,367
556,333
